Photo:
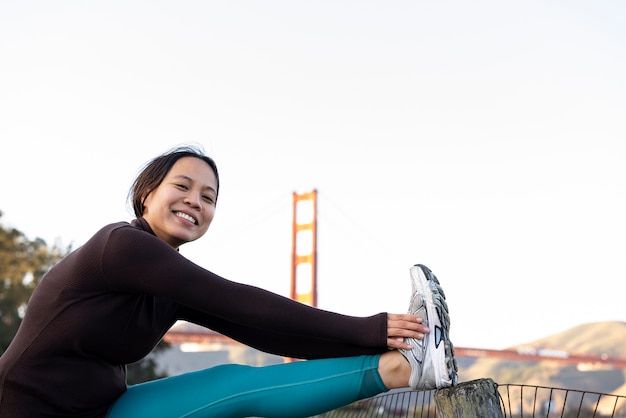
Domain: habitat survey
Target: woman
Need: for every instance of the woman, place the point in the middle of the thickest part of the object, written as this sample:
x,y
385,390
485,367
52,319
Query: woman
x,y
108,303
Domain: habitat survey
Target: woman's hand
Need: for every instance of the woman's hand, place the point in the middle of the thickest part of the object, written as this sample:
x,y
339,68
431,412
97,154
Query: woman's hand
x,y
401,326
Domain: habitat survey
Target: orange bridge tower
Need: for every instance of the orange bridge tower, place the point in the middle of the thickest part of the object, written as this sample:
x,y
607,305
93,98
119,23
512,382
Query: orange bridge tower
x,y
304,248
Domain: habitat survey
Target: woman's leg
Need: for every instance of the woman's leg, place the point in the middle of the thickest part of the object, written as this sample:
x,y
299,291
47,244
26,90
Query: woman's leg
x,y
298,389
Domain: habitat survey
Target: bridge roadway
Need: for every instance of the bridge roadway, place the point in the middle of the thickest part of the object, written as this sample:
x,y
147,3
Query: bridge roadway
x,y
589,362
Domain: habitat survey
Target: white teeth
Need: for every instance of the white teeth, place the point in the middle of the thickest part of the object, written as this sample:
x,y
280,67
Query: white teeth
x,y
185,216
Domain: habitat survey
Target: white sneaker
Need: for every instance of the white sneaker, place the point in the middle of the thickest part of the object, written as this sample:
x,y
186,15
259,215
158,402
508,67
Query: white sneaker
x,y
433,365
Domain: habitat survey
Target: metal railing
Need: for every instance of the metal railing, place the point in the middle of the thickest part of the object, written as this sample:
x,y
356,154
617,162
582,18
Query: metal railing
x,y
398,403
516,400
521,401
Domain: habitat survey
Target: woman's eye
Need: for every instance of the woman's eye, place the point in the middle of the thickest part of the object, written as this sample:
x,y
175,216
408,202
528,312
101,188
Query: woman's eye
x,y
182,186
208,199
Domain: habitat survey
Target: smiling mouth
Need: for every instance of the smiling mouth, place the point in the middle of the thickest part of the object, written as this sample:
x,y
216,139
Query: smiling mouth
x,y
186,217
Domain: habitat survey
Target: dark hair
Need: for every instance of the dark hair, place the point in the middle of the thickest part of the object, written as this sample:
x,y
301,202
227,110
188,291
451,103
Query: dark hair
x,y
155,171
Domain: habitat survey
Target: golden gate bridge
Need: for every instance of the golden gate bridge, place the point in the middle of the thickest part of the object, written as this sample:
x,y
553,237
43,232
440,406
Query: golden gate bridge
x,y
304,269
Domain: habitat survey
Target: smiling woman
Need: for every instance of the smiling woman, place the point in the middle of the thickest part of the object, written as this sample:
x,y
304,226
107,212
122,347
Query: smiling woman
x,y
182,207
108,303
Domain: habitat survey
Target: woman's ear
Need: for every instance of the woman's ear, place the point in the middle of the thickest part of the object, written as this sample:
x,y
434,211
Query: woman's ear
x,y
143,200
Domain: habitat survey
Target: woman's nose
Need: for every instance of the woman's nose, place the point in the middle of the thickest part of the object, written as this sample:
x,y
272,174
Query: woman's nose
x,y
192,200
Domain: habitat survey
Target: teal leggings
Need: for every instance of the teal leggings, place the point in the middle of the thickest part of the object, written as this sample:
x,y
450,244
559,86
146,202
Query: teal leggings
x,y
299,389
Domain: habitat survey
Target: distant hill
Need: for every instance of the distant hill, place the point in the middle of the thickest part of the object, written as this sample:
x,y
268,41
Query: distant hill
x,y
593,338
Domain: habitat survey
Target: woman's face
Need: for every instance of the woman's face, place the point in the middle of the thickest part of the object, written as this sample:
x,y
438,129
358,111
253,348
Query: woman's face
x,y
181,209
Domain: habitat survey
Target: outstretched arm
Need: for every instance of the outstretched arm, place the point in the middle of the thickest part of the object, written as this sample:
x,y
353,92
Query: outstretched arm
x,y
152,267
268,340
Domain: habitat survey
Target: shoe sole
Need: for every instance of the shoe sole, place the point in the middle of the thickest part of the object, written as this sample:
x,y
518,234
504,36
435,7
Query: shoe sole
x,y
438,339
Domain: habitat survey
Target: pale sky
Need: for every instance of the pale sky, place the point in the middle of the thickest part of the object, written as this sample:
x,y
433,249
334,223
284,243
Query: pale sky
x,y
485,139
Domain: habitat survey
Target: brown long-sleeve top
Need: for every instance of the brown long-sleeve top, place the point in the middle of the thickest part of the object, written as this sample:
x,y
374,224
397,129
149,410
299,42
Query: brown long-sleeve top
x,y
108,303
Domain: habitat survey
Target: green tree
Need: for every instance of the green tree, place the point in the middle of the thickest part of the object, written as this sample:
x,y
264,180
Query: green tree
x,y
22,265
